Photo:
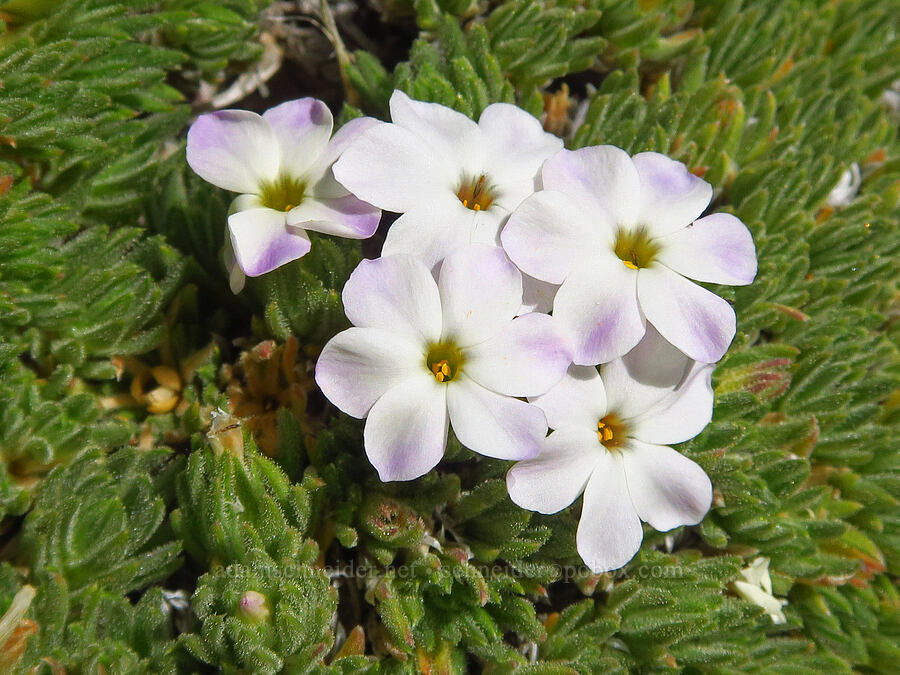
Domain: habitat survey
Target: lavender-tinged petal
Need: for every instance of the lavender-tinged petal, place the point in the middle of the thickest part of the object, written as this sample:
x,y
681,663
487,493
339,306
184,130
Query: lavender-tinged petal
x,y
682,413
578,401
609,532
443,133
388,167
645,376
492,424
667,489
357,366
343,217
431,231
553,480
396,293
598,309
718,249
302,127
406,431
481,291
699,323
233,149
548,236
602,179
516,146
262,242
526,358
321,176
671,196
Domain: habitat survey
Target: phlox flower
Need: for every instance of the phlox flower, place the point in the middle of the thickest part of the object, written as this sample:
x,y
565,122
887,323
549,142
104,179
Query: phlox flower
x,y
621,235
610,442
424,355
280,163
454,181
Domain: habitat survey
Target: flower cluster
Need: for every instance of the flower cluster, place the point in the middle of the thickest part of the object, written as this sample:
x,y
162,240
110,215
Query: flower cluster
x,y
516,268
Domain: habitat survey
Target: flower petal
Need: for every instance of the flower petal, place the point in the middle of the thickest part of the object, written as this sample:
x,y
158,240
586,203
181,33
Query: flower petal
x,y
646,375
406,431
609,532
443,131
598,309
492,424
233,149
396,293
302,127
682,413
671,196
358,365
577,401
481,292
537,295
554,479
548,236
236,276
699,323
343,217
667,489
601,178
262,242
526,358
345,136
718,249
431,231
516,146
325,186
387,166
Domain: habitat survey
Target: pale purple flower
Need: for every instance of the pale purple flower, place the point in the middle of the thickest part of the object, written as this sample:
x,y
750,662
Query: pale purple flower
x,y
426,354
454,181
280,163
610,442
621,235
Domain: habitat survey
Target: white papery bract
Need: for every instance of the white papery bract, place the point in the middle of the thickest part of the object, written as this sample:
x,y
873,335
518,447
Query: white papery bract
x,y
621,234
454,181
610,442
280,163
424,355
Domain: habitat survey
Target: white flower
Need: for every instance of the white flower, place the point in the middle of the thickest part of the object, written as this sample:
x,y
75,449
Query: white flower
x,y
621,234
757,588
424,355
454,181
280,162
609,442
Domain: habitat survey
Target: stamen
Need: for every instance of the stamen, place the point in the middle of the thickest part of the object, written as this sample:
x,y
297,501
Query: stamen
x,y
444,360
611,432
476,194
441,370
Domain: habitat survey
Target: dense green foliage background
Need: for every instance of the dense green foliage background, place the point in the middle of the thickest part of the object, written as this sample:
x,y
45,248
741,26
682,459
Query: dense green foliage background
x,y
177,497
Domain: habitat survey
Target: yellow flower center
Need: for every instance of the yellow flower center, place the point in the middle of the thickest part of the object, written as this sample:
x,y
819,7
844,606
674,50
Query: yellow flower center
x,y
476,194
283,194
444,360
611,432
635,248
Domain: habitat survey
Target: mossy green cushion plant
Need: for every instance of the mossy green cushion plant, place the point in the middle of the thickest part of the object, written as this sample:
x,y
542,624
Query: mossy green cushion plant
x,y
166,542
